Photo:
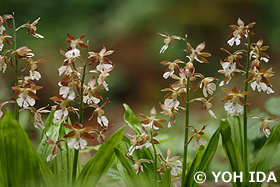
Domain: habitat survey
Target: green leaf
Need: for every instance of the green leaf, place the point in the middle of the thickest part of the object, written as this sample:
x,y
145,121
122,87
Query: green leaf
x,y
167,177
209,152
20,164
266,154
131,119
230,149
272,106
146,178
52,131
62,164
203,158
127,172
101,162
193,168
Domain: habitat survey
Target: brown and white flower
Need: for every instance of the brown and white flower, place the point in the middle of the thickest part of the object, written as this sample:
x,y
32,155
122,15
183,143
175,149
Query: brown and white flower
x,y
55,147
172,163
37,115
197,135
257,51
240,31
92,96
31,28
101,119
102,75
26,94
171,67
168,41
207,105
170,110
34,71
228,64
4,38
265,124
61,109
72,51
140,141
137,166
228,74
208,84
23,52
99,135
151,122
197,54
101,57
78,131
259,80
234,99
4,19
3,65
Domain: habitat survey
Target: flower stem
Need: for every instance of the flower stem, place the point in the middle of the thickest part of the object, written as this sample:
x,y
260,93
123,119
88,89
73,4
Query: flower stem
x,y
245,152
186,133
81,115
16,66
155,154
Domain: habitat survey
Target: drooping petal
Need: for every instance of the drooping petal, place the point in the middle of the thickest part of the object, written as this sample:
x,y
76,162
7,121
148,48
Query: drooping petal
x,y
83,143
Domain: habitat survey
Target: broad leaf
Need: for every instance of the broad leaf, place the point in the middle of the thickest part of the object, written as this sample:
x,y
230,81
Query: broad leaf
x,y
272,106
20,164
62,164
131,119
166,182
210,151
146,178
266,154
127,172
203,158
192,169
230,149
101,162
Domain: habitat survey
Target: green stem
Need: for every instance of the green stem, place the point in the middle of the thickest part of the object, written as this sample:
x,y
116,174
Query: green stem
x,y
16,66
246,156
155,154
81,114
186,133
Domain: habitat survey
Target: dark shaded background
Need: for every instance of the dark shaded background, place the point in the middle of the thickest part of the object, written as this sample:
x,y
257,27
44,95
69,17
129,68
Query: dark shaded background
x,y
130,28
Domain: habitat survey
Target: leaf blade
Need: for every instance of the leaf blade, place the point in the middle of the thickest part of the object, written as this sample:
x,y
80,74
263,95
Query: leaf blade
x,y
20,164
101,162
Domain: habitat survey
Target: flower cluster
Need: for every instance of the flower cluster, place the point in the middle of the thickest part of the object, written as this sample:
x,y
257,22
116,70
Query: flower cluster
x,y
255,75
25,88
183,81
73,89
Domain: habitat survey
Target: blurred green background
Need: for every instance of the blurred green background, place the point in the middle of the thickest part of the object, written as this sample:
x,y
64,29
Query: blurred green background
x,y
130,28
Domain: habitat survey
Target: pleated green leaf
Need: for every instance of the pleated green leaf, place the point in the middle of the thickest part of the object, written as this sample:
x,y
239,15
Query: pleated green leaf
x,y
272,106
101,162
193,168
167,178
62,164
131,120
210,151
265,155
231,150
20,164
146,178
203,158
127,172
